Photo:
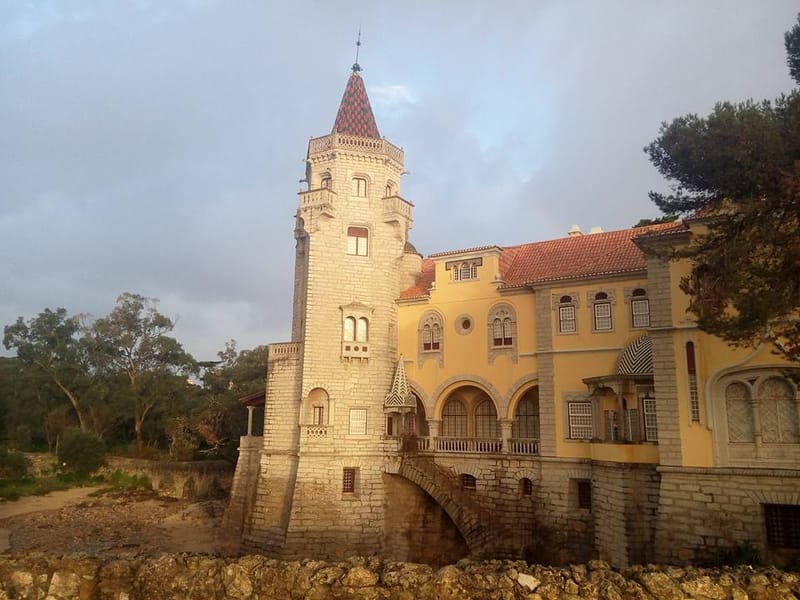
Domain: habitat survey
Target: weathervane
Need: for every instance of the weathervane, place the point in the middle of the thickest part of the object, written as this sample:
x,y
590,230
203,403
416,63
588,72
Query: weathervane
x,y
356,66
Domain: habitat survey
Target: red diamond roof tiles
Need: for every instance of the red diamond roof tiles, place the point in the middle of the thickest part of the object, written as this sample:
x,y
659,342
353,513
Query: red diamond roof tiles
x,y
588,255
355,113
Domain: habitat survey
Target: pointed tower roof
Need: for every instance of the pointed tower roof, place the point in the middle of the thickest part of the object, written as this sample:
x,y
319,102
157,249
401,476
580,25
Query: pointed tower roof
x,y
355,113
400,395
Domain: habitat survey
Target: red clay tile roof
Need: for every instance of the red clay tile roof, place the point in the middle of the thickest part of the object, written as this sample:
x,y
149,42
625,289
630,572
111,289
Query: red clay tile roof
x,y
420,289
565,258
355,113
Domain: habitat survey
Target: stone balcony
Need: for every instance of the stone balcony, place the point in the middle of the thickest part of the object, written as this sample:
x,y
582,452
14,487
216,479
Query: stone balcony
x,y
284,351
320,201
396,209
455,445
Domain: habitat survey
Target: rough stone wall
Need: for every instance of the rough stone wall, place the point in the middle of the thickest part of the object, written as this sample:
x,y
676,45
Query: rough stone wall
x,y
703,512
624,505
184,479
417,528
242,496
265,526
182,577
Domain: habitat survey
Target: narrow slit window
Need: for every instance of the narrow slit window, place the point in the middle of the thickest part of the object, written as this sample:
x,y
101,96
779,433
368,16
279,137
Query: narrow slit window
x,y
691,371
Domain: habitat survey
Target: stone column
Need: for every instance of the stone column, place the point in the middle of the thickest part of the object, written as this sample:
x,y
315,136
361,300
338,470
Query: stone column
x,y
505,434
250,410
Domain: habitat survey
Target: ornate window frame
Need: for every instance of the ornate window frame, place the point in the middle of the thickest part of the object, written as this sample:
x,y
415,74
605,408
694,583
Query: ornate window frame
x,y
465,269
502,320
356,319
566,305
637,298
601,303
429,346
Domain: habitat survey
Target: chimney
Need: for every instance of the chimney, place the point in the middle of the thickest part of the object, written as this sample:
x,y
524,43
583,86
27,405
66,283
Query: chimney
x,y
574,231
595,229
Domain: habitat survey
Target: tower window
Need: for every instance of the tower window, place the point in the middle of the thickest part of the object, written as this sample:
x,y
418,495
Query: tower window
x,y
468,482
359,187
526,487
326,182
584,494
348,480
357,240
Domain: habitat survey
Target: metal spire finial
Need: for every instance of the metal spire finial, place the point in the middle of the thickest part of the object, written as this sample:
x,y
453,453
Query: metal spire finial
x,y
356,66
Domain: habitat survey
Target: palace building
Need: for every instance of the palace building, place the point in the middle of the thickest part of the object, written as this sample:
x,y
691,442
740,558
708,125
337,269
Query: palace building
x,y
551,400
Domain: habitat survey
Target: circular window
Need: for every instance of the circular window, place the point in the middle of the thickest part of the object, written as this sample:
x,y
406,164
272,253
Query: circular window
x,y
464,324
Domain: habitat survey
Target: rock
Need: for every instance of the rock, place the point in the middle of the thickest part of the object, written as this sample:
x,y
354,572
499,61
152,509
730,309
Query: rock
x,y
359,576
660,586
703,587
529,582
447,584
236,581
64,585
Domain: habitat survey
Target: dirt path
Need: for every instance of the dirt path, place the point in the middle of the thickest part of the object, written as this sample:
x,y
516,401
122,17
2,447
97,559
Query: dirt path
x,y
34,504
73,521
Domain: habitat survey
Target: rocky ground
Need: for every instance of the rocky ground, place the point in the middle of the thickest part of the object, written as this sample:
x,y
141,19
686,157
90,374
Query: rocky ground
x,y
112,525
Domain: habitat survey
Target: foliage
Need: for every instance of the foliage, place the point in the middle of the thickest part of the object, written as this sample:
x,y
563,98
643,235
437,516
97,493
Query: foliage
x,y
119,482
132,341
12,464
80,452
742,553
656,221
737,172
49,343
15,489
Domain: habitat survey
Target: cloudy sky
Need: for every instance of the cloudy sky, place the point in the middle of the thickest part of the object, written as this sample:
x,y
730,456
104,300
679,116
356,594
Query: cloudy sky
x,y
155,146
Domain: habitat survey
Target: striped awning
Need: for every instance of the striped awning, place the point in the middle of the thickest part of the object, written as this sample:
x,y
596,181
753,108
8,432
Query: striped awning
x,y
636,358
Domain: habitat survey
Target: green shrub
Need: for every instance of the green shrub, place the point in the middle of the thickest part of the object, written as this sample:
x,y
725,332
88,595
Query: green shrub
x,y
12,464
80,452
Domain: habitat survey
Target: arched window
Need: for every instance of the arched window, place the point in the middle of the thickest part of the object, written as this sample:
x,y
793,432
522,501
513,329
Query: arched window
x,y
740,413
526,417
486,425
778,411
326,182
430,336
525,487
349,333
502,326
691,372
454,419
359,187
362,327
468,482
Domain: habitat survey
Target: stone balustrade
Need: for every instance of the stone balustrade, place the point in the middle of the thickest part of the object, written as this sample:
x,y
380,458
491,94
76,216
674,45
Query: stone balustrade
x,y
283,351
342,141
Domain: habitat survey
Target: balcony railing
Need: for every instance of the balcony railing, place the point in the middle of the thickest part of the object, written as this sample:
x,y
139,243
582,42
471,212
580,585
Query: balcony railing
x,y
315,432
321,199
524,446
283,350
452,445
353,142
395,207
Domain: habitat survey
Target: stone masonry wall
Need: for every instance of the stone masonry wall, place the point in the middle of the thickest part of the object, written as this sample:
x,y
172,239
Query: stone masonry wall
x,y
182,479
182,577
703,512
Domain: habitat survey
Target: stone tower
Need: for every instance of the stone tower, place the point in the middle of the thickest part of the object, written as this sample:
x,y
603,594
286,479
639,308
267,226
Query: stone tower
x,y
320,487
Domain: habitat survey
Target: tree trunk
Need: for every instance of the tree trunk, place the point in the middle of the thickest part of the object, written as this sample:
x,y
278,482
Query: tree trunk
x,y
74,401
